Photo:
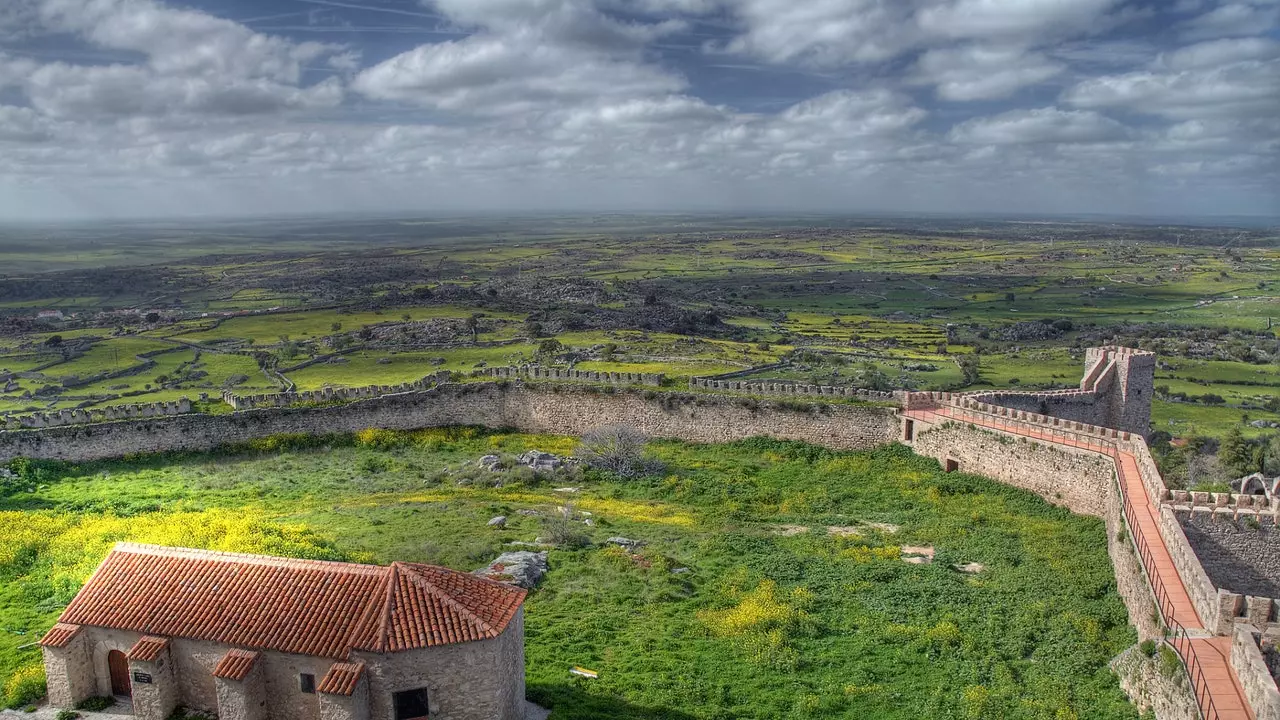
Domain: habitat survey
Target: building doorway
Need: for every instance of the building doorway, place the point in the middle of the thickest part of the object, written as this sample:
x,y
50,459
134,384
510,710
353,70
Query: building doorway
x,y
951,466
118,665
909,430
410,704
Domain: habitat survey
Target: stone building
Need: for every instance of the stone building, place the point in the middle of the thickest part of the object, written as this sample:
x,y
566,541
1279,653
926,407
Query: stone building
x,y
252,637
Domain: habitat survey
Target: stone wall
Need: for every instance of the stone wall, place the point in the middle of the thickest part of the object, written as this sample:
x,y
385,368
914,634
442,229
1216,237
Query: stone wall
x,y
481,680
71,677
546,408
1076,479
1204,596
58,418
329,395
1259,686
783,388
1141,678
533,372
1239,554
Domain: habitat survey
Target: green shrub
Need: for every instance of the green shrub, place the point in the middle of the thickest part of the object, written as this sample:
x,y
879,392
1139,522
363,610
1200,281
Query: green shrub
x,y
24,686
1147,647
67,715
1170,663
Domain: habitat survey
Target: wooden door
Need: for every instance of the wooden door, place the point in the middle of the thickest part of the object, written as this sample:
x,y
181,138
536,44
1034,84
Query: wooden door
x,y
118,664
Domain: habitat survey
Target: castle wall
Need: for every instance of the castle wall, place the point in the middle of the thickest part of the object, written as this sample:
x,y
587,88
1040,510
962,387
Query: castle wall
x,y
544,408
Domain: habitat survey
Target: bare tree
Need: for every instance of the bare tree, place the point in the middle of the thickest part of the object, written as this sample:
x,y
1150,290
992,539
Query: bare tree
x,y
618,449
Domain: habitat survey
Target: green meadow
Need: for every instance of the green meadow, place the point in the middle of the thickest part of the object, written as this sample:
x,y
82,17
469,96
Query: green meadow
x,y
771,583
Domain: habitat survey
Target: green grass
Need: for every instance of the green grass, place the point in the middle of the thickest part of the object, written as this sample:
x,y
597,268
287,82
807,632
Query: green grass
x,y
763,625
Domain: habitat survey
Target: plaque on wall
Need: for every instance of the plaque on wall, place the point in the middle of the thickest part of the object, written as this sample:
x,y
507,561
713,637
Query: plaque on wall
x,y
141,677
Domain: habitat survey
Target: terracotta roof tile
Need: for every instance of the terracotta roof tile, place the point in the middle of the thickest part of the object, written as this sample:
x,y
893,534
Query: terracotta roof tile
x,y
60,635
306,607
341,679
147,648
236,664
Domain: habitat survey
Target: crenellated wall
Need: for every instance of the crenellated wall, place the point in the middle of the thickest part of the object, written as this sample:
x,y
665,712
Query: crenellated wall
x,y
327,395
534,372
536,407
58,418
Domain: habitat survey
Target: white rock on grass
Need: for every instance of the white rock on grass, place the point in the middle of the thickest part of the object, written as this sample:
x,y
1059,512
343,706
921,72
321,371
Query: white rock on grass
x,y
519,567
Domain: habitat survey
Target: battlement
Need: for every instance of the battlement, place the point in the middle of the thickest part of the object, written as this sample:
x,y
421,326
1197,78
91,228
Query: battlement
x,y
328,395
84,416
793,389
535,372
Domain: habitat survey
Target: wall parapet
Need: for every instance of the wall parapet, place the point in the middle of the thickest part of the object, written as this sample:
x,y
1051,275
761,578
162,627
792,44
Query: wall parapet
x,y
794,389
85,416
327,395
536,372
1255,677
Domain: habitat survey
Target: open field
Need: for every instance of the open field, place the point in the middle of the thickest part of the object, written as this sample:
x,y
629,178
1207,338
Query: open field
x,y
776,616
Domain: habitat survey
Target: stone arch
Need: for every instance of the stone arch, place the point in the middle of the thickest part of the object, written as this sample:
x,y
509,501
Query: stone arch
x,y
101,648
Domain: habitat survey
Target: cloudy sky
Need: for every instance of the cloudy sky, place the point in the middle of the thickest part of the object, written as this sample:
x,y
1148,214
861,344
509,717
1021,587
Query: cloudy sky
x,y
132,108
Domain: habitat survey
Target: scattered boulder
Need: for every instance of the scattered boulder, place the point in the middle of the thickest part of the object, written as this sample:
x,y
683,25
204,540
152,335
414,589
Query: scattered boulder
x,y
384,361
681,571
540,461
567,489
498,522
972,568
489,462
527,512
522,568
626,543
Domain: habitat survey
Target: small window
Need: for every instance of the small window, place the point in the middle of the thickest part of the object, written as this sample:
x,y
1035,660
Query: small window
x,y
410,704
307,682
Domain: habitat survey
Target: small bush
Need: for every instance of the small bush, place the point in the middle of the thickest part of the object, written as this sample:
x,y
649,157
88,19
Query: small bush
x,y
97,703
1147,647
1170,663
67,715
618,449
563,531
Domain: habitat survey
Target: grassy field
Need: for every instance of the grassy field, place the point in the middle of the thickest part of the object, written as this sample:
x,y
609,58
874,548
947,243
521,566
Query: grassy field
x,y
805,623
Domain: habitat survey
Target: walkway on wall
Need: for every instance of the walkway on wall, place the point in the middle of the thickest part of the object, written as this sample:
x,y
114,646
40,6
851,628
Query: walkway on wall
x,y
1217,689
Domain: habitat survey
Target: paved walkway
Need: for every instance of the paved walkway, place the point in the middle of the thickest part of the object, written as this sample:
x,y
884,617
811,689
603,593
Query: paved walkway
x,y
1217,688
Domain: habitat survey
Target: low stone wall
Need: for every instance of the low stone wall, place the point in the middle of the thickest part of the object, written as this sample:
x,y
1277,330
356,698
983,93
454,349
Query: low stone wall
x,y
59,418
792,389
1076,405
1250,667
533,372
542,408
285,399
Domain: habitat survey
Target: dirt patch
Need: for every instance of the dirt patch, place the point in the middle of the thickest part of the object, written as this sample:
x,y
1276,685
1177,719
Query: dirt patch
x,y
918,554
790,530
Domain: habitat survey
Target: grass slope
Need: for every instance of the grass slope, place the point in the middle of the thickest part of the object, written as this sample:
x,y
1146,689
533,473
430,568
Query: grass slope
x,y
763,625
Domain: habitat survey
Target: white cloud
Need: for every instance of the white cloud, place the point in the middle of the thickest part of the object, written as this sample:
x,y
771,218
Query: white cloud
x,y
1013,18
977,72
492,74
23,125
1041,125
1234,19
824,33
1219,52
1243,89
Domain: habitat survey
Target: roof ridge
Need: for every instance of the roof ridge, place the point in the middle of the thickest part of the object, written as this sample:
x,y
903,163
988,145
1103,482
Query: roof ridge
x,y
384,623
247,558
443,595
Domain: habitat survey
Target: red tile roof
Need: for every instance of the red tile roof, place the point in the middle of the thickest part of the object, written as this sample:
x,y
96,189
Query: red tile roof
x,y
147,648
305,607
341,679
60,635
236,664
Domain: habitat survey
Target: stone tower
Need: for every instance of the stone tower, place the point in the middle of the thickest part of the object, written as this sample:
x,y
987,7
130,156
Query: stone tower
x,y
1123,380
